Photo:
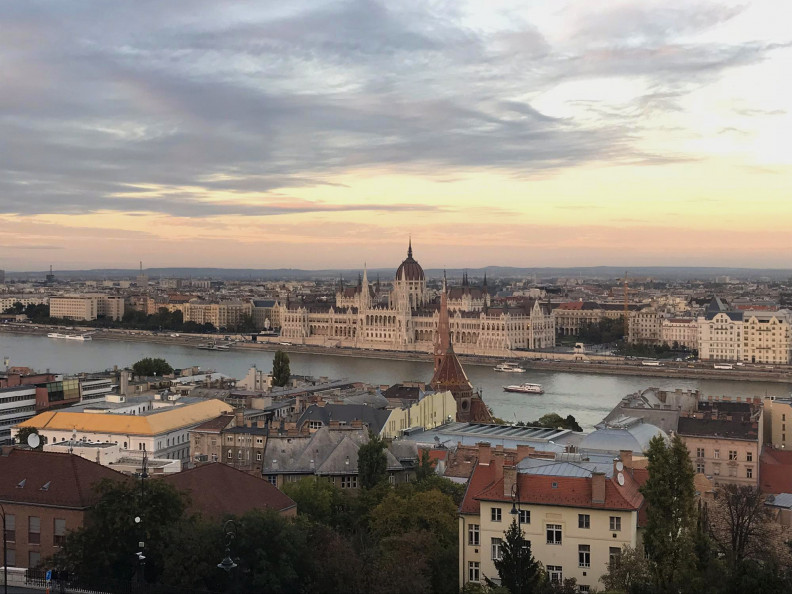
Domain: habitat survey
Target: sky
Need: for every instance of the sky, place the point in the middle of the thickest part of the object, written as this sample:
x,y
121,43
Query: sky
x,y
320,134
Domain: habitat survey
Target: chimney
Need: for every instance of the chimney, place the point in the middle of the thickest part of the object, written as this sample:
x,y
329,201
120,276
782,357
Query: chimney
x,y
598,487
239,417
485,453
523,452
626,458
509,480
497,463
124,383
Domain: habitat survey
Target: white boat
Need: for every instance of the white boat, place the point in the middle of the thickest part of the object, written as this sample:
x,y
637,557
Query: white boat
x,y
525,388
81,337
509,368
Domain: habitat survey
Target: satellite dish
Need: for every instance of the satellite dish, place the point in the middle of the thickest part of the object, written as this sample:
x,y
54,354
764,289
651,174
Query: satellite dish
x,y
619,466
620,479
34,440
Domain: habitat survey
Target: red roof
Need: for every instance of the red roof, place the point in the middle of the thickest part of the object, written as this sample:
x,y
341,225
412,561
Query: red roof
x,y
51,478
218,490
481,478
571,305
215,425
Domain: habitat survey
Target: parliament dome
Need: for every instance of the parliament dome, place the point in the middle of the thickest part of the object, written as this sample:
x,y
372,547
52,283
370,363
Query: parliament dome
x,y
410,270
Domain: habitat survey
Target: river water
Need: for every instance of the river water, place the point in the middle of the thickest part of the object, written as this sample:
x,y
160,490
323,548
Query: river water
x,y
588,397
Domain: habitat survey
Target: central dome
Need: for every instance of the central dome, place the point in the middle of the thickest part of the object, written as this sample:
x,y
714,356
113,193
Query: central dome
x,y
410,270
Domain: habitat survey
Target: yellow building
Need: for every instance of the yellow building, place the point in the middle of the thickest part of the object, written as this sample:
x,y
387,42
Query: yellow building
x,y
163,432
87,306
767,337
575,515
430,411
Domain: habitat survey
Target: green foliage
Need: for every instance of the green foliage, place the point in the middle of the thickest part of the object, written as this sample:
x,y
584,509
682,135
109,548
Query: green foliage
x,y
24,432
426,466
106,545
280,369
319,500
628,572
671,510
372,462
517,568
605,331
148,367
554,421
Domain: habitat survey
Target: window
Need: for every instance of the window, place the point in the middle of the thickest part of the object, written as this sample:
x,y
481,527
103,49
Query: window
x,y
716,454
699,452
700,467
473,571
239,454
495,548
59,532
749,456
11,557
716,469
584,521
584,555
615,523
732,454
229,455
273,479
614,554
258,456
732,471
583,589
473,535
554,534
495,514
525,516
349,482
555,574
749,472
314,424
10,532
34,530
34,558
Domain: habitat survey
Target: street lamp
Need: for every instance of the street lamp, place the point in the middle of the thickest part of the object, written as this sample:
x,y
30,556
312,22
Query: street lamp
x,y
230,534
5,552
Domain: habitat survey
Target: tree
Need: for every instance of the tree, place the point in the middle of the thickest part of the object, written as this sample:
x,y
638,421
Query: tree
x,y
372,462
740,523
517,568
426,466
24,432
671,509
148,367
280,369
628,571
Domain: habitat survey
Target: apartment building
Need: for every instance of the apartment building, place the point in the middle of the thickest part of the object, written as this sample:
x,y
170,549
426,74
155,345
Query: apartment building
x,y
778,422
724,440
575,515
645,327
767,337
87,306
570,317
680,331
7,301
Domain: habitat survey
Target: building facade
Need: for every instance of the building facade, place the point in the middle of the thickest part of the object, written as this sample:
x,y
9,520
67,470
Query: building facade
x,y
767,337
410,318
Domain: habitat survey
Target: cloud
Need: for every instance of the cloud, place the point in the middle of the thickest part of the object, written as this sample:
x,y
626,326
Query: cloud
x,y
260,98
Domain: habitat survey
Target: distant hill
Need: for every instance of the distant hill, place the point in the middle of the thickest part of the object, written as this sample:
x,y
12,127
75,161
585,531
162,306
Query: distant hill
x,y
386,274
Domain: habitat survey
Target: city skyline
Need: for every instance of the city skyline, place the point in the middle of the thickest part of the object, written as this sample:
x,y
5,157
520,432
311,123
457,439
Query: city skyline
x,y
322,135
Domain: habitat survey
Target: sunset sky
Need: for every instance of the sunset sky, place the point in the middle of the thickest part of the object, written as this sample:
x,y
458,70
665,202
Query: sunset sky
x,y
320,134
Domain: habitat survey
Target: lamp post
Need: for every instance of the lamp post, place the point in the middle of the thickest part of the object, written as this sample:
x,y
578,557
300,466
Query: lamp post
x,y
515,511
141,554
5,552
229,528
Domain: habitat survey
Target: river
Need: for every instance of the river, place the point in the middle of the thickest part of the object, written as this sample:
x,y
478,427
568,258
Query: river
x,y
588,397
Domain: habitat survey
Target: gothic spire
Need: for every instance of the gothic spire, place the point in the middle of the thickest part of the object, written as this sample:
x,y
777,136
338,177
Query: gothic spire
x,y
409,248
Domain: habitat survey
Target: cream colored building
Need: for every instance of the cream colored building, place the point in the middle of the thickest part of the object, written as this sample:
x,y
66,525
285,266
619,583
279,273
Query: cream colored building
x,y
682,331
430,411
720,337
222,315
409,321
724,440
767,337
572,316
778,422
645,327
7,301
574,516
87,306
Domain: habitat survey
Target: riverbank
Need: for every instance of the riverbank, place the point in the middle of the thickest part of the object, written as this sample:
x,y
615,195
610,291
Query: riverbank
x,y
530,360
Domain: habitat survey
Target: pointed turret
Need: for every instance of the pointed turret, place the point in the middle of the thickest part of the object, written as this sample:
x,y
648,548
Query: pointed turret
x,y
409,247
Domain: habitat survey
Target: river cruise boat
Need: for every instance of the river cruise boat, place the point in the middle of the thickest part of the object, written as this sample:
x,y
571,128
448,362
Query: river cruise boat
x,y
525,388
509,368
82,337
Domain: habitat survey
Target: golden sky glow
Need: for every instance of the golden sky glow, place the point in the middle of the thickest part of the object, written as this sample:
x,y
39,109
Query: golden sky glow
x,y
536,134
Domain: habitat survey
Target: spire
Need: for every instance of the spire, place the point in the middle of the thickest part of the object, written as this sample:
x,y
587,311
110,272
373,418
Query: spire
x,y
485,280
409,247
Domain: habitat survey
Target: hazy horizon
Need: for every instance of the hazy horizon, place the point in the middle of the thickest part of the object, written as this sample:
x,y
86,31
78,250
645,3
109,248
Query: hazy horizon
x,y
322,134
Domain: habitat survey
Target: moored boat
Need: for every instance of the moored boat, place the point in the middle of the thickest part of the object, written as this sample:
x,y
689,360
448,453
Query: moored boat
x,y
509,368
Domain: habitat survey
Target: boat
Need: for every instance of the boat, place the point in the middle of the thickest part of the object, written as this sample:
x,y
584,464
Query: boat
x,y
525,388
81,337
509,368
211,346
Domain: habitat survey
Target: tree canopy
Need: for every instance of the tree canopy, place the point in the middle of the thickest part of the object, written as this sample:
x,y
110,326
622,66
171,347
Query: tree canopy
x,y
517,568
372,462
149,366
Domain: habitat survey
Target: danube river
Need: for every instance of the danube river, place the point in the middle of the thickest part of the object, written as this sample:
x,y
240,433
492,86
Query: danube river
x,y
586,396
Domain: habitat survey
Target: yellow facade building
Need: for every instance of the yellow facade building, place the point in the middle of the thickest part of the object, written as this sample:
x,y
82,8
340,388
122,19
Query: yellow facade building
x,y
430,411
